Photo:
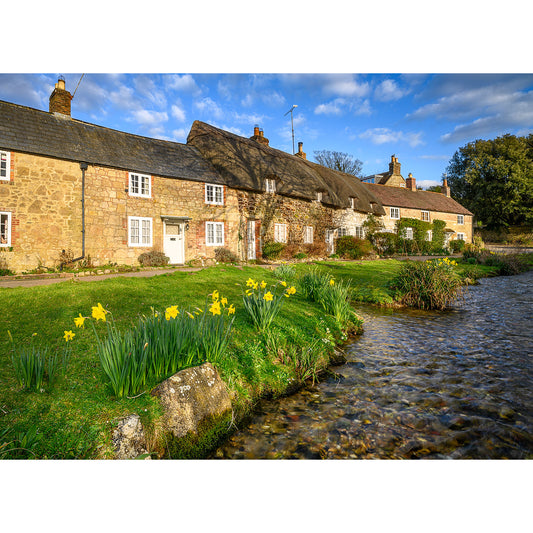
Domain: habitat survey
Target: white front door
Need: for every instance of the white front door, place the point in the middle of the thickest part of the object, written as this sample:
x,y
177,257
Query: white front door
x,y
174,242
250,236
330,234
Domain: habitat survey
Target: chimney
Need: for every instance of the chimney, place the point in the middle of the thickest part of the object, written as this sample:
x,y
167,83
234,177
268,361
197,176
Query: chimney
x,y
410,182
258,136
60,99
394,166
300,152
445,188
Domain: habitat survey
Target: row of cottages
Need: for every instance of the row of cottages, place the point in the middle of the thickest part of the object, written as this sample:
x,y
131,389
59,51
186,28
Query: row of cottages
x,y
401,199
98,193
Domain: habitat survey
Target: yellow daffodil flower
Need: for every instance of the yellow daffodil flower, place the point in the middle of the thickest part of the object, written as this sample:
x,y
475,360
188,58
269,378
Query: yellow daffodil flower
x,y
263,284
224,302
215,296
99,312
268,296
191,316
291,290
284,283
215,308
332,282
256,284
250,282
171,312
248,292
79,320
69,335
231,309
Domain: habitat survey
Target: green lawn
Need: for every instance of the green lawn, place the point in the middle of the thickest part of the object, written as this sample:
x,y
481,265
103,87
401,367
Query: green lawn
x,y
75,418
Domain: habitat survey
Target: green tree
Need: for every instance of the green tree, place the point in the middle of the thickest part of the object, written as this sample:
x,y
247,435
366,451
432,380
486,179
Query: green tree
x,y
339,161
494,180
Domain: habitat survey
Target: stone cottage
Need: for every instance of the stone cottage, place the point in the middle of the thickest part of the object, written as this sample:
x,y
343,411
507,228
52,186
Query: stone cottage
x,y
401,199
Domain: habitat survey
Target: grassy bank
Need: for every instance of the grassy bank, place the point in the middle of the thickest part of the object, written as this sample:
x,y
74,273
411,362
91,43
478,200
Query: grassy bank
x,y
74,419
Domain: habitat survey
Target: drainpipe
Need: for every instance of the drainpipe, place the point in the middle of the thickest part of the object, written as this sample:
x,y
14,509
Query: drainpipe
x,y
83,167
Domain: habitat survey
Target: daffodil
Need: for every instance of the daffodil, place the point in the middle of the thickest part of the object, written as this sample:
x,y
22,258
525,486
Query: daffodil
x,y
215,308
332,282
99,312
256,284
248,292
215,295
291,290
171,312
231,309
284,283
79,320
69,335
224,302
190,315
250,282
268,296
263,284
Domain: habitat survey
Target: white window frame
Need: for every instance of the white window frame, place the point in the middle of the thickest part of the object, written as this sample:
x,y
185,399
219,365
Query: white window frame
x,y
461,237
308,234
6,215
212,236
139,243
342,232
460,220
319,196
409,234
425,216
270,185
429,235
360,232
144,179
214,194
396,211
280,233
6,156
352,202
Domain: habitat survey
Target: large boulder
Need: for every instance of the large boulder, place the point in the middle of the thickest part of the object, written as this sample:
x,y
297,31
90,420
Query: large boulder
x,y
190,397
129,440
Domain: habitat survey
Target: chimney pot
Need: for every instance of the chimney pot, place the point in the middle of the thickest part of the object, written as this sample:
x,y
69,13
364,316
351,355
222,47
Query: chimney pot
x,y
256,131
410,182
60,99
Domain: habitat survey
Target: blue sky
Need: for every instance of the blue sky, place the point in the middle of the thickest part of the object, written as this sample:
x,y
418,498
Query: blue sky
x,y
421,118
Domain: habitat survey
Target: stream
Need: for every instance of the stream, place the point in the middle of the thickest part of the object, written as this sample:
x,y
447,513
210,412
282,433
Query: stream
x,y
455,384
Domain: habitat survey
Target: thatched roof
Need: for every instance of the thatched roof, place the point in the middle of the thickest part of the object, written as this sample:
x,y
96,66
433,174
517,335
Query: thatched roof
x,y
245,164
38,132
423,200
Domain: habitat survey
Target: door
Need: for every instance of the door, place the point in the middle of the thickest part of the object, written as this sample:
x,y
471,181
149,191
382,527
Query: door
x,y
174,242
250,236
330,234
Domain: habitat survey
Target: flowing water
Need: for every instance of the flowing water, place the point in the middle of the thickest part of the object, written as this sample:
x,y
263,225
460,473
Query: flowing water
x,y
452,384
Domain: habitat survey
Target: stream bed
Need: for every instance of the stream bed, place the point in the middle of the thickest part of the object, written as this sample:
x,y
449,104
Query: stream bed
x,y
453,384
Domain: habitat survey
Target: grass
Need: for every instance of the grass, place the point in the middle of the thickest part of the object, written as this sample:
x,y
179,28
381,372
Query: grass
x,y
74,419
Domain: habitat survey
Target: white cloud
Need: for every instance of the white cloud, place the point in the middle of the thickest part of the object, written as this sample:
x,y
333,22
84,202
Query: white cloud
x,y
180,135
388,90
209,107
248,119
427,183
435,157
345,85
362,108
332,108
178,113
185,83
150,118
124,98
386,135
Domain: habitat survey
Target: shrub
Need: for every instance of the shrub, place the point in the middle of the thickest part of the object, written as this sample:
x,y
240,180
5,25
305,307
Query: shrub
x,y
352,247
286,272
272,250
385,243
335,299
153,258
316,249
223,255
427,285
312,282
457,246
300,255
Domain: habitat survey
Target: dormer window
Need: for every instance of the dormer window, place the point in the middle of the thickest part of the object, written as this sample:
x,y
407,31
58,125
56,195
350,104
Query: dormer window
x,y
319,196
352,202
270,185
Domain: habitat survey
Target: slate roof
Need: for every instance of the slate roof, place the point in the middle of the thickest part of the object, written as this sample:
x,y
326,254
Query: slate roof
x,y
423,200
244,164
38,132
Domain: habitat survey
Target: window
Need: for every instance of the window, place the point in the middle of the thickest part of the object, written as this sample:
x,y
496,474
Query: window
x,y
319,196
140,185
280,232
395,212
460,219
140,231
214,233
360,232
5,229
270,185
429,235
308,234
352,202
425,216
214,194
409,233
342,232
461,237
5,165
